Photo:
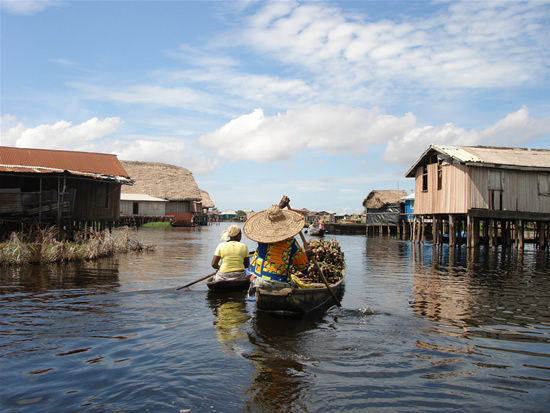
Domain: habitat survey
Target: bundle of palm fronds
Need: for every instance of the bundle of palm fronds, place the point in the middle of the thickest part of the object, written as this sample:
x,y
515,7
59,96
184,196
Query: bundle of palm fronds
x,y
330,258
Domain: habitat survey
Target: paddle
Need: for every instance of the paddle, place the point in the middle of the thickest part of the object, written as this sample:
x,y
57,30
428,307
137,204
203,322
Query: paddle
x,y
319,269
196,281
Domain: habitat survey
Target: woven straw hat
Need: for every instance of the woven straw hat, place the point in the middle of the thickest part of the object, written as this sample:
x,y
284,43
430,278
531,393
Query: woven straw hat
x,y
230,232
273,225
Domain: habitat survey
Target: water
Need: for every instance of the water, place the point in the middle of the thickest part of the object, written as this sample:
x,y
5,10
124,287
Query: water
x,y
420,329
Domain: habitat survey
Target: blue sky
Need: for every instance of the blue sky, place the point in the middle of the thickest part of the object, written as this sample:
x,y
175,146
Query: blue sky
x,y
320,101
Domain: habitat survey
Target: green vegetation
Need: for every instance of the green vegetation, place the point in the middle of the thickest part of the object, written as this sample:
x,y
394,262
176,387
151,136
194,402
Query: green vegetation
x,y
42,246
156,224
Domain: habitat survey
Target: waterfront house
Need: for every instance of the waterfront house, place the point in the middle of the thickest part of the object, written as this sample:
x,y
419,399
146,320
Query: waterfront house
x,y
142,205
171,183
206,202
408,206
493,193
64,188
383,210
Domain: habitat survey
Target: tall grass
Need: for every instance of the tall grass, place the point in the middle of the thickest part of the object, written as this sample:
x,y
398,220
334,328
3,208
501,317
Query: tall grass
x,y
41,246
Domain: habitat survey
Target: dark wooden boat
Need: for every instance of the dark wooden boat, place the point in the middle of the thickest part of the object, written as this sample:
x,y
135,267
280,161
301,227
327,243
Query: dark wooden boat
x,y
228,285
294,302
317,232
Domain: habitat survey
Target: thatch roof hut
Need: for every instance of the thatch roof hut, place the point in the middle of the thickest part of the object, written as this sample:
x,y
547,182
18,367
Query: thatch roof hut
x,y
380,198
161,180
384,208
206,201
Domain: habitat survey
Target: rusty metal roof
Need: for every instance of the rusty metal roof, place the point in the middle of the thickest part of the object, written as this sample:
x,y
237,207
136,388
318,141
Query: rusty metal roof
x,y
96,165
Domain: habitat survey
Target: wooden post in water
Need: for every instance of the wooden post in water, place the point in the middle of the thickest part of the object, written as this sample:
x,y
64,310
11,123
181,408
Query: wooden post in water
x,y
452,231
542,234
492,233
521,234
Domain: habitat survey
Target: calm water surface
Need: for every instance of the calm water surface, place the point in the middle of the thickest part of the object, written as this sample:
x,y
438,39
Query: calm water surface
x,y
420,329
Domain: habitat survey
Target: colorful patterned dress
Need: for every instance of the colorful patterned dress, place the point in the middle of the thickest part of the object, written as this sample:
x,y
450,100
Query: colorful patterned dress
x,y
273,261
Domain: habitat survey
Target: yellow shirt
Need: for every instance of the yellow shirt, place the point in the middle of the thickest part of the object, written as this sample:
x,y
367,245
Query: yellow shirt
x,y
232,254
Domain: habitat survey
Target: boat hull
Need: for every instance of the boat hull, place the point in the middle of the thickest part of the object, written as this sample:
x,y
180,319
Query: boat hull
x,y
228,285
294,302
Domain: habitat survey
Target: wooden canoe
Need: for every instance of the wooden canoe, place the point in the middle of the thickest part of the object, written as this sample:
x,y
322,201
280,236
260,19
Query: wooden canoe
x,y
228,285
294,302
317,232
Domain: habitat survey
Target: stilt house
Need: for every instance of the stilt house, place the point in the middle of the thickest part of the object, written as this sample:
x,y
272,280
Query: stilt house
x,y
493,194
172,183
64,188
383,210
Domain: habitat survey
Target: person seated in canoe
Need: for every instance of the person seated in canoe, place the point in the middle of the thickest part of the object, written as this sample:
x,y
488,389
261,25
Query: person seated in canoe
x,y
277,252
233,255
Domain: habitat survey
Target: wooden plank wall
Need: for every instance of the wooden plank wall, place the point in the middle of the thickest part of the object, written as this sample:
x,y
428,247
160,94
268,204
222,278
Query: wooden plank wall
x,y
454,196
520,191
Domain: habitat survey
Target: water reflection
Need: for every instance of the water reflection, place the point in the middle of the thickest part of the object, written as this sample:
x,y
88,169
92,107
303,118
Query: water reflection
x,y
489,287
102,274
449,330
274,347
229,310
280,382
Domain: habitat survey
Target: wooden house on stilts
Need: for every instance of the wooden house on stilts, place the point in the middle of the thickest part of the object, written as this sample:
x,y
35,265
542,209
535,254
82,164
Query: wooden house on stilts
x,y
383,209
67,189
476,194
169,182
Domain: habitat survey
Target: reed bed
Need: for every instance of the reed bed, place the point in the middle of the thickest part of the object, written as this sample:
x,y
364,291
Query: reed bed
x,y
42,246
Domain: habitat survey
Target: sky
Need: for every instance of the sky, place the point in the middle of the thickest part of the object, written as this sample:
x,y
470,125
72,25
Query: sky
x,y
322,101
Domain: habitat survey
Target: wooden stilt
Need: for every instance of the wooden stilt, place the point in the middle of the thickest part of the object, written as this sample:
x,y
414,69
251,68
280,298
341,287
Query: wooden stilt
x,y
452,231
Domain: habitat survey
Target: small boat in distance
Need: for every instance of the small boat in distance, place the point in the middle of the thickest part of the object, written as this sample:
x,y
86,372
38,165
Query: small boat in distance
x,y
318,232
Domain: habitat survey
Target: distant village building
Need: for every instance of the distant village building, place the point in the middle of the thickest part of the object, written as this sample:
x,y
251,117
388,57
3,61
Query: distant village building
x,y
493,194
64,188
142,204
383,211
408,208
206,202
171,183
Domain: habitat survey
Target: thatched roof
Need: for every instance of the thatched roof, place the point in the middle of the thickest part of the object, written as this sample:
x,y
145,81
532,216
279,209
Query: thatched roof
x,y
161,181
381,198
206,201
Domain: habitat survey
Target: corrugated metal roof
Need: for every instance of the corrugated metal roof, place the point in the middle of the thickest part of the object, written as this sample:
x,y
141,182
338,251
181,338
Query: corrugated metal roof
x,y
488,156
97,165
536,158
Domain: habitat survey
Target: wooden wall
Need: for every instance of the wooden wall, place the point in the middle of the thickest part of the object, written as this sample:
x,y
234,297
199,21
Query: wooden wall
x,y
466,187
520,190
148,208
452,198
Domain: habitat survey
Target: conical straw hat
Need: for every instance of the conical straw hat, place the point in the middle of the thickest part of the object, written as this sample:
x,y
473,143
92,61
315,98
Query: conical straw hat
x,y
273,225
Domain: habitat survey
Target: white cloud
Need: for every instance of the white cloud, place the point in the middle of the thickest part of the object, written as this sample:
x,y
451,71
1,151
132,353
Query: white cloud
x,y
60,135
334,129
512,130
179,97
486,45
28,7
341,129
167,151
95,135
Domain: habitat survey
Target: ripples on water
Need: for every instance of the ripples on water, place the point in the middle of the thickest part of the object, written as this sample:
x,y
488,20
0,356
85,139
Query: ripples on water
x,y
420,329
